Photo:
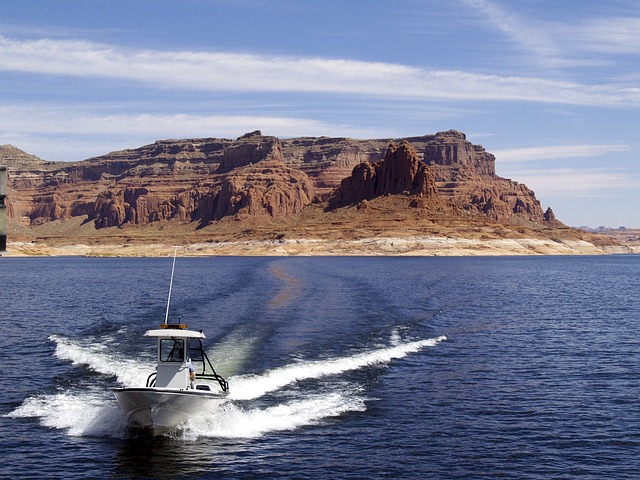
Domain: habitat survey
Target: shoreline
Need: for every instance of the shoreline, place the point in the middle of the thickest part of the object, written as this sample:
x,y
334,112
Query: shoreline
x,y
375,246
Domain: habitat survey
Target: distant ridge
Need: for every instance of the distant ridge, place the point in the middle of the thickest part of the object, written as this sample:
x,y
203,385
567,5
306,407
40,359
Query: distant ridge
x,y
11,156
259,186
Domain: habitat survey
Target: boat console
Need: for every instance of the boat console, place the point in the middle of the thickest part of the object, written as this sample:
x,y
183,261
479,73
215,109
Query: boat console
x,y
178,349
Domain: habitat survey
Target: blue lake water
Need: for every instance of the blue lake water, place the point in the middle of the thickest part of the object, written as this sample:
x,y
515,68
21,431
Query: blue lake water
x,y
338,367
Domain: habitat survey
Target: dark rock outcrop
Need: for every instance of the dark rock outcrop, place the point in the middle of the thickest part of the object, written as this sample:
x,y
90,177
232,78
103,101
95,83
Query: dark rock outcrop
x,y
401,171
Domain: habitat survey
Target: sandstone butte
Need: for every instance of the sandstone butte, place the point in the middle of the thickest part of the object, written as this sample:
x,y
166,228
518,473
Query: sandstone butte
x,y
261,195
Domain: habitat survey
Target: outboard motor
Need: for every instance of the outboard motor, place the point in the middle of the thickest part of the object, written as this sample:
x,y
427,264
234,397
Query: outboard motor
x,y
3,209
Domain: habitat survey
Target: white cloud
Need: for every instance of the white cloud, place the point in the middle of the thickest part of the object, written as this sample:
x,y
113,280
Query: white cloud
x,y
55,133
553,152
218,71
570,183
52,120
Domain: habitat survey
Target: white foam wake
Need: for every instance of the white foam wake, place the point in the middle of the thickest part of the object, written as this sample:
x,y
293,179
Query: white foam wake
x,y
80,414
98,358
94,411
232,421
248,387
84,414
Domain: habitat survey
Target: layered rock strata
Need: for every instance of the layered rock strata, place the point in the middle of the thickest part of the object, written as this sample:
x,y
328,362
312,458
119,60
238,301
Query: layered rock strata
x,y
264,188
465,176
205,180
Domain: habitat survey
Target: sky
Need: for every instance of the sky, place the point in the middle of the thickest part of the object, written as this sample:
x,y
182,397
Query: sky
x,y
551,88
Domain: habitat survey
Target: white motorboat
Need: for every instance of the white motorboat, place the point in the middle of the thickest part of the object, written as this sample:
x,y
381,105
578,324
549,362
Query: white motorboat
x,y
183,384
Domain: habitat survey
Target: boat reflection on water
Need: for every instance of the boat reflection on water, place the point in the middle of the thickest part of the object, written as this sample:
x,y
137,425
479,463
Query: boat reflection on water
x,y
163,456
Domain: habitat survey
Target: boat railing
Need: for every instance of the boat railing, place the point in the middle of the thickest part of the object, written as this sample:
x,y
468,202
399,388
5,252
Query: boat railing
x,y
224,385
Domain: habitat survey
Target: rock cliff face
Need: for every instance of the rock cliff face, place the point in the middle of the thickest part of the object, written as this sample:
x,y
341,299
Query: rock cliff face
x,y
205,180
264,188
269,188
465,176
451,149
247,150
328,160
135,206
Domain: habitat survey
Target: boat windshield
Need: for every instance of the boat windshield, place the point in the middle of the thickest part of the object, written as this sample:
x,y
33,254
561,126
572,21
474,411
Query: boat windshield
x,y
195,350
171,350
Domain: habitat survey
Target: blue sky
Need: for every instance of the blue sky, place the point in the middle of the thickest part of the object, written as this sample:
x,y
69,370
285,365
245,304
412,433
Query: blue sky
x,y
552,88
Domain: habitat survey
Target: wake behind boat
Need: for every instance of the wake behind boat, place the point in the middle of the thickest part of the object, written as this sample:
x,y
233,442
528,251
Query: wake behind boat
x,y
183,384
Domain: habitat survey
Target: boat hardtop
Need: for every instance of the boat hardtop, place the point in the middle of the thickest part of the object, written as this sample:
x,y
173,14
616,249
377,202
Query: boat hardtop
x,y
169,332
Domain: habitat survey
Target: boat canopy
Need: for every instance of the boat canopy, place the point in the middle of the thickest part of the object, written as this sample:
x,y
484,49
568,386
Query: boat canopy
x,y
169,333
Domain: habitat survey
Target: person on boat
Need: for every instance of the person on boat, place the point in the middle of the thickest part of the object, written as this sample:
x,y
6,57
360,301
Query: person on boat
x,y
192,373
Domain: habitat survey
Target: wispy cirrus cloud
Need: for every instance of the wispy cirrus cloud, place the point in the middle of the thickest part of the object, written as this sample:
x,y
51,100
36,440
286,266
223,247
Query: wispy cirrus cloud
x,y
554,152
71,133
610,35
563,43
246,72
571,183
520,30
52,120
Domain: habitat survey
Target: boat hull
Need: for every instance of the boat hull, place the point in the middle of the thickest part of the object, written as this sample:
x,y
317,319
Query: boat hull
x,y
160,410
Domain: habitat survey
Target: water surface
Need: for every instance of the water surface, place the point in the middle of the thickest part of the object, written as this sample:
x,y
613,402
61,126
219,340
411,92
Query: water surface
x,y
338,367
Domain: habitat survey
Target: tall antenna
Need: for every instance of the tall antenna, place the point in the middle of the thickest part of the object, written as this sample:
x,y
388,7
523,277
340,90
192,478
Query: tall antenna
x,y
3,209
175,252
